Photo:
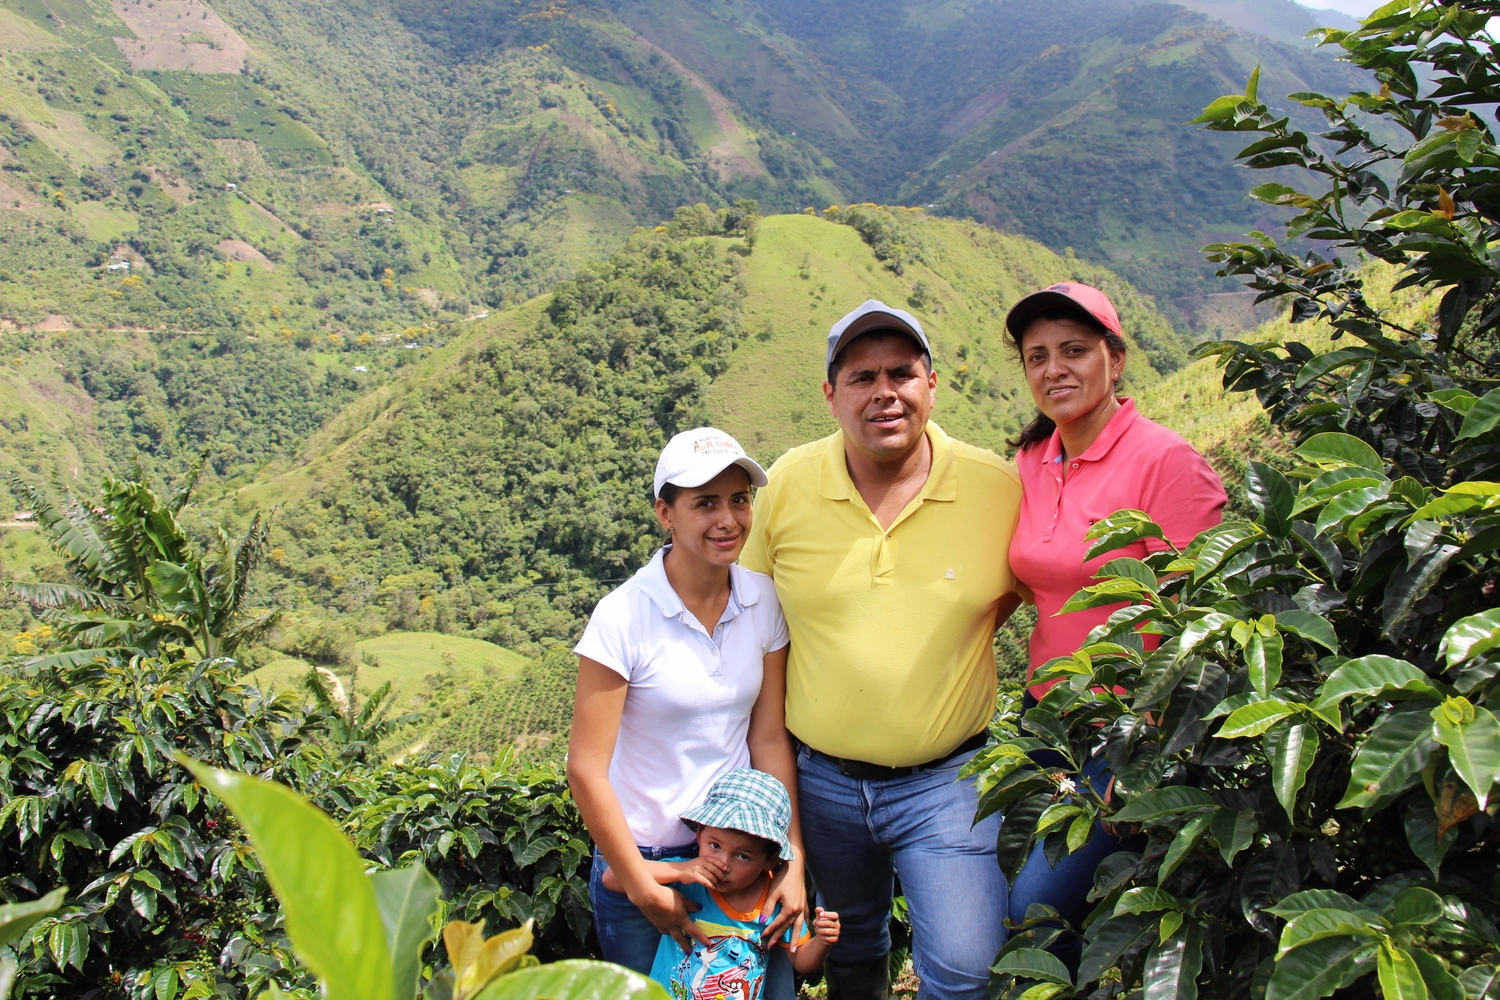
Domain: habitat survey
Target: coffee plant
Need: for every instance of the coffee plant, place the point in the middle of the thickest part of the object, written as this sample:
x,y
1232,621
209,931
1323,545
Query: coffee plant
x,y
164,897
1304,764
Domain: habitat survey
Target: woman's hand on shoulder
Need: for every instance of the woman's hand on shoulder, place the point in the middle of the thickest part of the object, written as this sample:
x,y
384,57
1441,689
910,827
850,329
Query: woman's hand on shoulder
x,y
789,891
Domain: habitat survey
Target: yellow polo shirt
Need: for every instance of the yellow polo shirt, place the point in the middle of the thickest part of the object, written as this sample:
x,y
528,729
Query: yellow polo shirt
x,y
892,630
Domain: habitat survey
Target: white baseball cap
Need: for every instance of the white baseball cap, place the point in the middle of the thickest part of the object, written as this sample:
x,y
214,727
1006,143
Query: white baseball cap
x,y
694,457
873,315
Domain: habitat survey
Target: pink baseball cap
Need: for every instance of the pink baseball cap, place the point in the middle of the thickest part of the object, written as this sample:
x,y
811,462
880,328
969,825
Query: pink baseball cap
x,y
1064,293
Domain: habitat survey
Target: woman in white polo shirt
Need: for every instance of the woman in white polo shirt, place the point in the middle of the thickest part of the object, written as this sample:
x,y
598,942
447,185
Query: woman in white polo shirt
x,y
681,678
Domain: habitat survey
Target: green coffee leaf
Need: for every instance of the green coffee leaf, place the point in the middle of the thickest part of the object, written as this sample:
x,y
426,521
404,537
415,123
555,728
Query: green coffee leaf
x,y
574,979
1306,625
1013,845
1374,676
1146,899
1182,845
1400,979
1471,636
1272,495
1319,967
17,918
1122,528
1330,484
1458,400
1222,108
1349,505
1032,963
1056,813
1263,656
1483,416
1481,982
319,879
1416,906
1255,718
1079,830
1202,686
1226,540
1472,735
1332,450
1421,825
1043,991
1439,981
1390,760
1291,748
1409,584
1132,569
1321,899
1332,361
1233,830
408,901
1109,939
1315,925
1173,963
1159,802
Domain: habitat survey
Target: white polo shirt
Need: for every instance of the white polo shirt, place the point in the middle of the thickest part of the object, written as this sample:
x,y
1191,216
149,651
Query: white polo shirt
x,y
687,711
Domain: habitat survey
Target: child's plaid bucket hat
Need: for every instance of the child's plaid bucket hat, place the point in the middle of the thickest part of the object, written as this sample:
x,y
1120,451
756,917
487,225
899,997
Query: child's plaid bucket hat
x,y
749,801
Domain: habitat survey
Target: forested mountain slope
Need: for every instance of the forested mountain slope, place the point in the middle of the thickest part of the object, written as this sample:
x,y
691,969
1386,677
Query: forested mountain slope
x,y
307,229
501,485
1059,119
365,166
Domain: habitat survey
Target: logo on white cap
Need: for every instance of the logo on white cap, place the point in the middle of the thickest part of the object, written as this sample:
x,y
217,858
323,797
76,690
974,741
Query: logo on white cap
x,y
694,457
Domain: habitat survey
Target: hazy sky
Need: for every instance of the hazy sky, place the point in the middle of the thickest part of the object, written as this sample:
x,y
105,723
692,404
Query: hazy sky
x,y
1354,8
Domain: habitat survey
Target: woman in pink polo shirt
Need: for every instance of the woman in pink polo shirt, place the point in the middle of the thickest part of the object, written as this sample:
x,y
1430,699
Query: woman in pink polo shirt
x,y
1087,454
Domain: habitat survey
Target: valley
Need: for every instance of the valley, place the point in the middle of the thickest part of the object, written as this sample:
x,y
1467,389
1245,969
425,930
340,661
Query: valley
x,y
431,283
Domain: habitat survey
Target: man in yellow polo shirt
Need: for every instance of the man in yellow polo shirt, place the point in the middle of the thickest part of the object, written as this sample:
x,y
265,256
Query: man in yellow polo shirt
x,y
888,544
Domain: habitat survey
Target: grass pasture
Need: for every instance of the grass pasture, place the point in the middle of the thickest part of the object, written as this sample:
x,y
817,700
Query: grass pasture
x,y
104,223
406,659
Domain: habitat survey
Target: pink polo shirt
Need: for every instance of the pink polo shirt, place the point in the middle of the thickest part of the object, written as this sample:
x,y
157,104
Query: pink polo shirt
x,y
1134,463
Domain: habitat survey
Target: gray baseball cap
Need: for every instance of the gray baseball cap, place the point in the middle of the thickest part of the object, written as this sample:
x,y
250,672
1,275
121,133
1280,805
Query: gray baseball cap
x,y
873,315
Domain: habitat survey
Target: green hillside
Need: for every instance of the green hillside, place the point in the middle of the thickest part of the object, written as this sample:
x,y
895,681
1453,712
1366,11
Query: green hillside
x,y
1058,120
407,660
959,279
499,487
220,225
345,169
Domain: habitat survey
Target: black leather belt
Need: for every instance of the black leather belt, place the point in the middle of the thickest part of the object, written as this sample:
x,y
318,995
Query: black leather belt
x,y
861,770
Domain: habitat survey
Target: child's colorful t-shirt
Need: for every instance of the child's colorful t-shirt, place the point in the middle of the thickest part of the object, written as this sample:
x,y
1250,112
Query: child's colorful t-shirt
x,y
733,966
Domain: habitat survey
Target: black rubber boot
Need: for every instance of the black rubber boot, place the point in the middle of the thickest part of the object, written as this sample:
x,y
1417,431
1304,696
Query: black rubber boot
x,y
859,980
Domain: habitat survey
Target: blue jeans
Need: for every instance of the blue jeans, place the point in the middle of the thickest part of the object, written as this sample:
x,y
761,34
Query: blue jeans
x,y
861,835
628,938
1066,887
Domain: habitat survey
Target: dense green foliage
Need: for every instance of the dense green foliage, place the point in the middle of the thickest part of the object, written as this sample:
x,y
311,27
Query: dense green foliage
x,y
1310,756
162,886
135,581
364,933
94,802
534,506
165,898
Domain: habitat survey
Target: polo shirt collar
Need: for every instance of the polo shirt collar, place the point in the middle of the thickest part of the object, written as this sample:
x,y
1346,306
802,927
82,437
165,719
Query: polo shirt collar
x,y
743,590
1118,424
942,479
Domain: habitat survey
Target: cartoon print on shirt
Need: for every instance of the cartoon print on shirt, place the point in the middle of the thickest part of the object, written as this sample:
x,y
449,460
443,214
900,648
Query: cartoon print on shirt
x,y
729,968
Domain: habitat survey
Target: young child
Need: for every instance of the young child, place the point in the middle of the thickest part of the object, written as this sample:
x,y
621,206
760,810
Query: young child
x,y
742,839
